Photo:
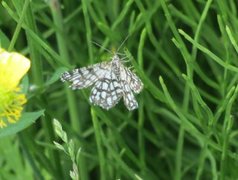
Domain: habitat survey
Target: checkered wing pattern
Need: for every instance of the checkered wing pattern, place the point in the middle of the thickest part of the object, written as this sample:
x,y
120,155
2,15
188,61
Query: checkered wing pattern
x,y
128,97
133,80
107,91
130,84
86,76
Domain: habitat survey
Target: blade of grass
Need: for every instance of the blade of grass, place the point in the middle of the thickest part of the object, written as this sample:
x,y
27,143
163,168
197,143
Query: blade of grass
x,y
209,53
179,154
228,122
141,141
88,29
101,157
19,24
232,39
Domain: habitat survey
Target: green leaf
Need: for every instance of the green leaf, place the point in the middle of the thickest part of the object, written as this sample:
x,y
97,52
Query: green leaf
x,y
71,150
26,120
59,131
59,146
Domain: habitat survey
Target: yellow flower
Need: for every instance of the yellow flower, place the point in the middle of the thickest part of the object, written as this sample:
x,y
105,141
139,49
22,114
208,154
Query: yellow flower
x,y
13,66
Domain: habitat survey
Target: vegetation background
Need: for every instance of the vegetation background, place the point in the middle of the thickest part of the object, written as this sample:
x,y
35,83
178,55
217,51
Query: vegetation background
x,y
184,51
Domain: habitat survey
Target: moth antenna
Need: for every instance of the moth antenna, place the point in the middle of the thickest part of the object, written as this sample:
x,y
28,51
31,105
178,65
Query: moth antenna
x,y
123,42
99,45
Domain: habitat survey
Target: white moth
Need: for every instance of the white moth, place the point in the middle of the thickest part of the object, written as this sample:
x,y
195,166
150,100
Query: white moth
x,y
111,81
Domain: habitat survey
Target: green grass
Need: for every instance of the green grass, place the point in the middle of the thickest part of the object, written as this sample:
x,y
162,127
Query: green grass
x,y
185,52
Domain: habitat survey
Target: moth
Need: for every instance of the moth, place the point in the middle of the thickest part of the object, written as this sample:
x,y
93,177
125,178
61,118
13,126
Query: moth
x,y
110,82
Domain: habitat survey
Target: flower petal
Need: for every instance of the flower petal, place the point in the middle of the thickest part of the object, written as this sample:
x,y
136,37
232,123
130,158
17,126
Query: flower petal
x,y
13,66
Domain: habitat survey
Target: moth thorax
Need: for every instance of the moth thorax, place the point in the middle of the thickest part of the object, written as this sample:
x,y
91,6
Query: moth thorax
x,y
115,61
115,58
116,65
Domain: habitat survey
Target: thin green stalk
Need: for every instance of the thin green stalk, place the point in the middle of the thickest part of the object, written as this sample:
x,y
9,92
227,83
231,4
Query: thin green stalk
x,y
141,140
227,53
140,48
214,169
179,154
227,125
174,29
101,157
34,53
202,158
199,100
232,39
73,111
88,30
194,54
199,27
19,25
